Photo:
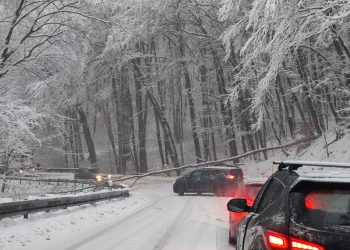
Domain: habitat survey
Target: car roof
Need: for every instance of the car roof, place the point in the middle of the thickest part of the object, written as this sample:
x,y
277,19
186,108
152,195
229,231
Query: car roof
x,y
254,183
297,164
340,176
221,164
315,171
225,167
255,180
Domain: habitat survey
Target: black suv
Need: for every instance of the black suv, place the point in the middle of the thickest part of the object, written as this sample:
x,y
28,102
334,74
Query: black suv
x,y
304,208
220,180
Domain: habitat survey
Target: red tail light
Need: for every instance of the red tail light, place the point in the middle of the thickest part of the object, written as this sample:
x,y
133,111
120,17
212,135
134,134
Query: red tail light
x,y
280,241
230,177
277,241
302,244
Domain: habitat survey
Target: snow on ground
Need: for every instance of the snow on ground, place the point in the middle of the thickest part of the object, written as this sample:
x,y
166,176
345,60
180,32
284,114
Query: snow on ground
x,y
153,217
313,151
41,228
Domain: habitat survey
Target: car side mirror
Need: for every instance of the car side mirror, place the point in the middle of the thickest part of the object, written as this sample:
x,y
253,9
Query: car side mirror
x,y
238,206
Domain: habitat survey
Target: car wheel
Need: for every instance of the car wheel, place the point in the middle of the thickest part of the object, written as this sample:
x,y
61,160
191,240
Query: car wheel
x,y
231,240
180,190
218,192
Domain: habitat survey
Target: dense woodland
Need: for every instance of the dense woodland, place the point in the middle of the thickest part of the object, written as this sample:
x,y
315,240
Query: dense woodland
x,y
212,77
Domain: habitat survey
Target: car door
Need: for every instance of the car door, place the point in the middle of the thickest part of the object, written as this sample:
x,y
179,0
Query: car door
x,y
243,224
194,181
262,215
207,179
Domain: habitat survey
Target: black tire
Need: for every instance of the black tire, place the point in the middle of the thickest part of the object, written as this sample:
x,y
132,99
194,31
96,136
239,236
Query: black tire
x,y
218,192
231,240
199,193
180,190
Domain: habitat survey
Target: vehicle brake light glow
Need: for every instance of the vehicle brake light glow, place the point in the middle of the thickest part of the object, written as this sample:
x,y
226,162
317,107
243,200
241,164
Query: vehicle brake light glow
x,y
230,177
314,200
301,244
280,241
277,240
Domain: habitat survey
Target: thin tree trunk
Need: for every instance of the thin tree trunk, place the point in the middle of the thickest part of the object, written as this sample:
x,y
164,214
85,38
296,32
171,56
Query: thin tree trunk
x,y
213,142
286,107
122,100
296,101
88,139
65,147
188,86
262,144
159,140
280,110
166,129
206,112
301,65
71,142
141,108
226,109
107,118
76,134
274,130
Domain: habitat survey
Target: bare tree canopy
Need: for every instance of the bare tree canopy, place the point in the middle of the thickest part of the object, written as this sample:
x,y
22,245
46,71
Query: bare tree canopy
x,y
131,86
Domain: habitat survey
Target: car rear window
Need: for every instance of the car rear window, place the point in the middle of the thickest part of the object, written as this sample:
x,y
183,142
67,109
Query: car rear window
x,y
333,201
251,191
321,205
238,173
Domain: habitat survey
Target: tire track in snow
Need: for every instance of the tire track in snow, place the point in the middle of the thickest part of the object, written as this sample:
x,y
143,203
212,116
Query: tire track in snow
x,y
118,223
176,222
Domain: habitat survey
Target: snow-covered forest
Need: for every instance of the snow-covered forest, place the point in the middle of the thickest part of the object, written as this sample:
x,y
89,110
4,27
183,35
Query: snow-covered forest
x,y
132,85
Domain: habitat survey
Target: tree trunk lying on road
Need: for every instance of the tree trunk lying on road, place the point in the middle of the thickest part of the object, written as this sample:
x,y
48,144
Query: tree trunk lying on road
x,y
137,177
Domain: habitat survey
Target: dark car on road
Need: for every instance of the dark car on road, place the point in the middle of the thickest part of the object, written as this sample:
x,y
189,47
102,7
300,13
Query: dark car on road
x,y
300,207
248,191
219,180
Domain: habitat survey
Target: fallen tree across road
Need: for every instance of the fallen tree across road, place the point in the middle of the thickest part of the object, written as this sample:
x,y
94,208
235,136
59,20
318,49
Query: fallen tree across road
x,y
137,177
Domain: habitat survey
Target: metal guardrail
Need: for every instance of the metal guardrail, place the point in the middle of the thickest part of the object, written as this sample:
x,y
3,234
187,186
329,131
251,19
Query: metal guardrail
x,y
51,180
32,206
89,182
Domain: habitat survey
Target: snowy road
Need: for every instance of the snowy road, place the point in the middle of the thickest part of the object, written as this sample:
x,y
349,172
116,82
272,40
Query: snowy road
x,y
153,218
